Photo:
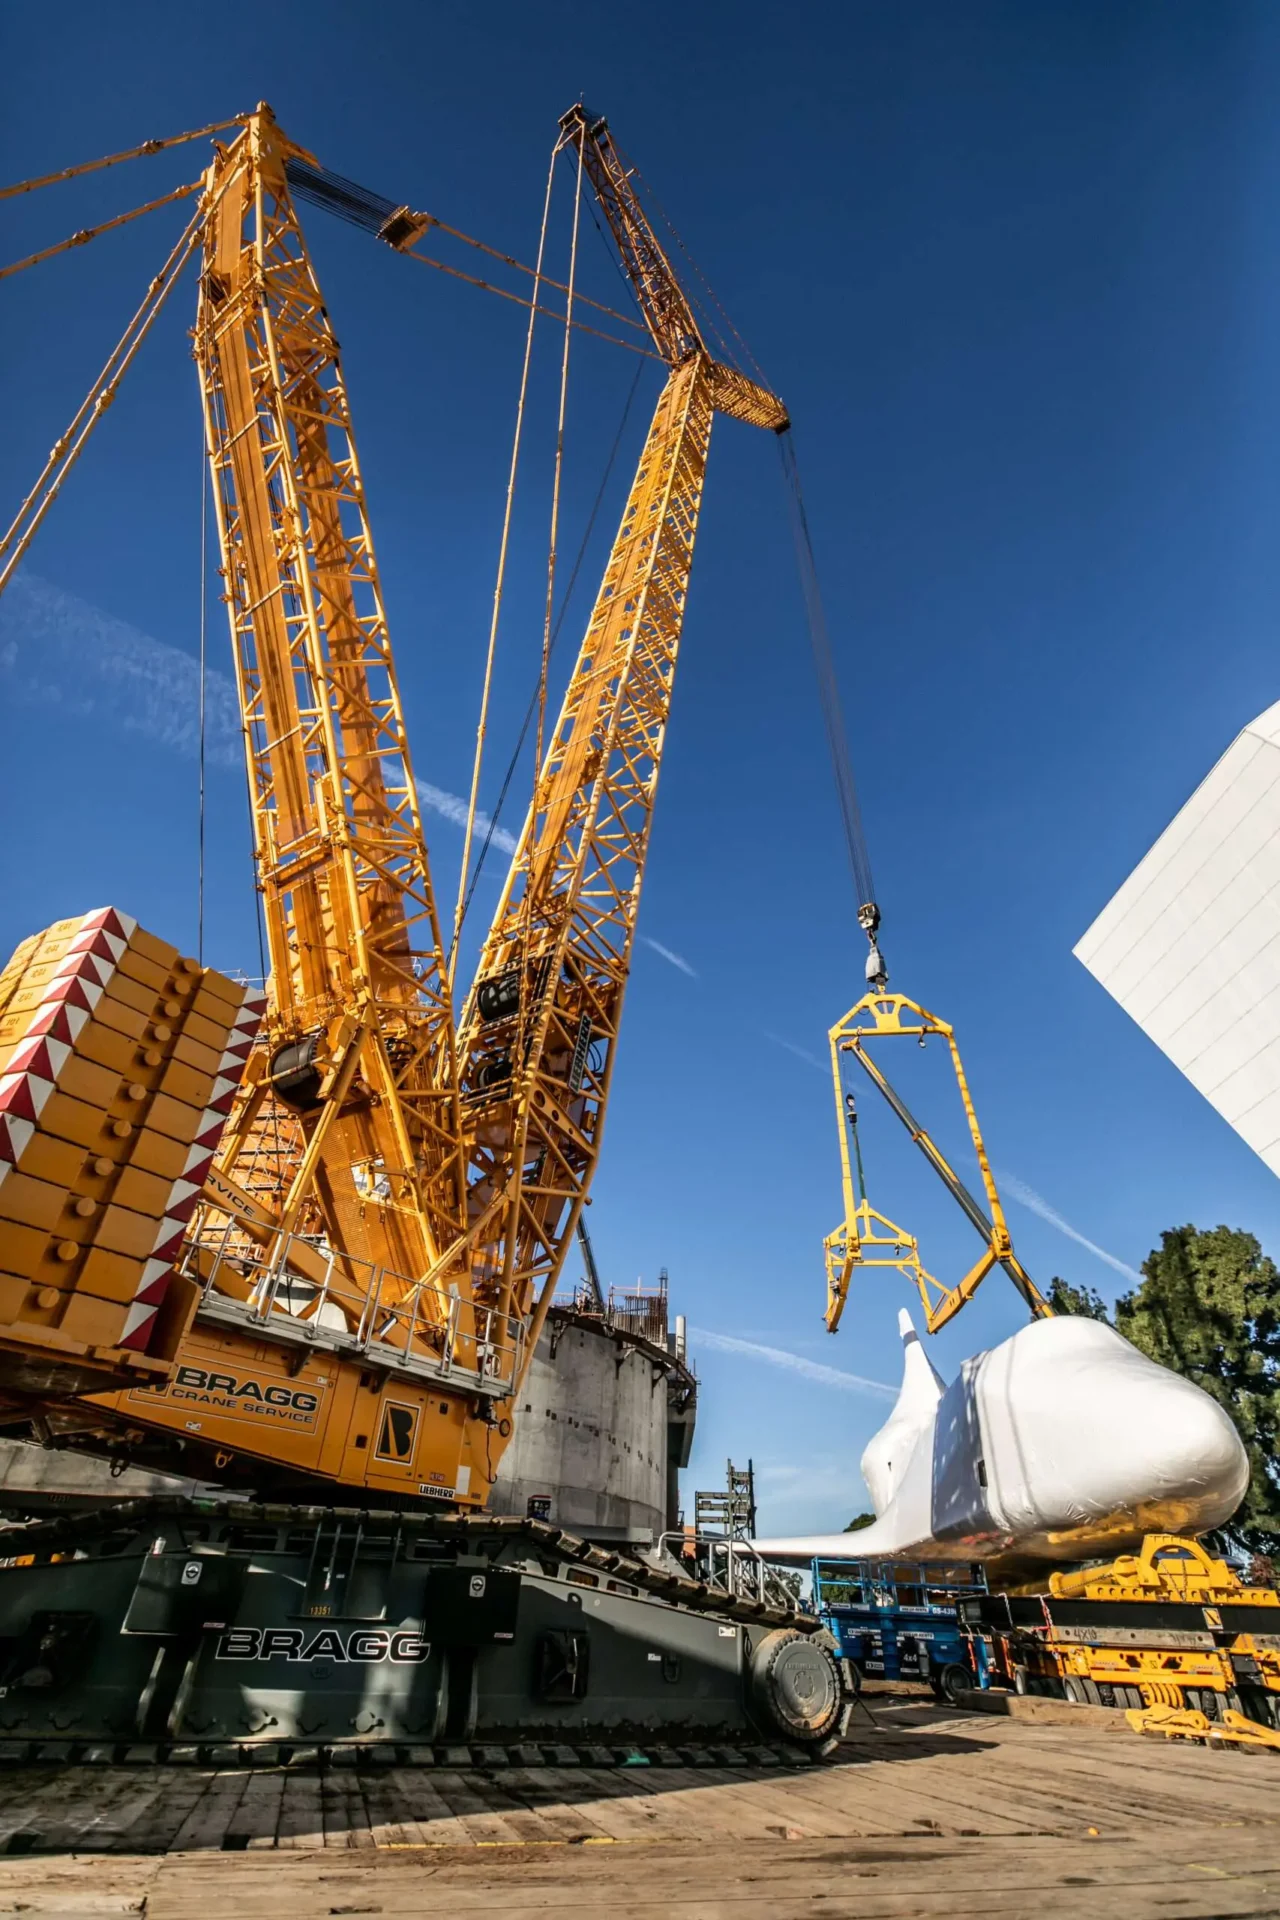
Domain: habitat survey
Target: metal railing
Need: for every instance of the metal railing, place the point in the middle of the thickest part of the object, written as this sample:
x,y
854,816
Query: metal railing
x,y
640,1310
355,1307
733,1566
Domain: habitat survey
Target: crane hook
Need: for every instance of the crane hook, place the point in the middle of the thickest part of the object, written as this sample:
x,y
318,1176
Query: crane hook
x,y
869,920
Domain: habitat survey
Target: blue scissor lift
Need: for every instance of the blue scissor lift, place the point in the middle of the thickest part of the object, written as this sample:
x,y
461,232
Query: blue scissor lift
x,y
898,1621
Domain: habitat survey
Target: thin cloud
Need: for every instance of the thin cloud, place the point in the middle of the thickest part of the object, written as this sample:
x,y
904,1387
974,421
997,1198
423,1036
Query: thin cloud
x,y
793,1362
801,1053
452,807
673,959
57,650
1036,1203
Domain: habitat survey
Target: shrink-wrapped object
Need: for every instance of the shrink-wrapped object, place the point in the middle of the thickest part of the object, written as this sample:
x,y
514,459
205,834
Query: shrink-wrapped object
x,y
1060,1444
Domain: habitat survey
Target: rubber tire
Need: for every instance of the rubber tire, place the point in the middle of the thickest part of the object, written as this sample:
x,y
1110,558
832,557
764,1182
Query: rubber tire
x,y
1021,1680
1257,1703
956,1684
1073,1690
796,1687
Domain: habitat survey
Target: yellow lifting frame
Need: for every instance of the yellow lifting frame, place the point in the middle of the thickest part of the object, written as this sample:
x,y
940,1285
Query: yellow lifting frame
x,y
885,1015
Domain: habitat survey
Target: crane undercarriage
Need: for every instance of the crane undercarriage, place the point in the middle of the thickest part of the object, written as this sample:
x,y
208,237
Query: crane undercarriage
x,y
229,1631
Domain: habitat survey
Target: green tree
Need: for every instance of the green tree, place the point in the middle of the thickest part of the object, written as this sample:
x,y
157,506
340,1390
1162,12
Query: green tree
x,y
1086,1302
1209,1308
859,1521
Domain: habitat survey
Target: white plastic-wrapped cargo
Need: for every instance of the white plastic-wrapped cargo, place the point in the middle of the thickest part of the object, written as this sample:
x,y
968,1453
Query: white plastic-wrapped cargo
x,y
1190,945
1061,1444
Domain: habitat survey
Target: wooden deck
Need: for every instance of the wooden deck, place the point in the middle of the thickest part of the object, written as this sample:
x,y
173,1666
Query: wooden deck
x,y
927,1811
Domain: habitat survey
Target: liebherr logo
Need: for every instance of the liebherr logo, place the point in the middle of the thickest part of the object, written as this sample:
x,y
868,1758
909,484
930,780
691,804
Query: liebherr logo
x,y
364,1646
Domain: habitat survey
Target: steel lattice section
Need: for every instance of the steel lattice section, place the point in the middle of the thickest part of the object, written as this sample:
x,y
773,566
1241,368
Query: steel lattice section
x,y
349,907
567,920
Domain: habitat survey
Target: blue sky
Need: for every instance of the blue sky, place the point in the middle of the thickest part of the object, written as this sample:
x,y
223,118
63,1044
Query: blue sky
x,y
1012,268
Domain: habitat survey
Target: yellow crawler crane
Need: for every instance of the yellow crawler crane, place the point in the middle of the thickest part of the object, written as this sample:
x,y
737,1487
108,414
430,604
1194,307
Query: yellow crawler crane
x,y
370,1257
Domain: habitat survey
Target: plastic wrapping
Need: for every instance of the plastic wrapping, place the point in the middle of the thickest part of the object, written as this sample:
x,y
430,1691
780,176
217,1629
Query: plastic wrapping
x,y
1062,1443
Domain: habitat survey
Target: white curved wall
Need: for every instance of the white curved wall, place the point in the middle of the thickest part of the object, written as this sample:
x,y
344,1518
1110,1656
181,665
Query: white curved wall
x,y
1190,944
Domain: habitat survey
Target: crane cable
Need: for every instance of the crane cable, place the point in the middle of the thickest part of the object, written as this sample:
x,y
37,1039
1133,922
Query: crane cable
x,y
482,725
86,234
204,626
68,448
375,214
496,816
114,159
833,714
646,191
819,635
557,476
529,1009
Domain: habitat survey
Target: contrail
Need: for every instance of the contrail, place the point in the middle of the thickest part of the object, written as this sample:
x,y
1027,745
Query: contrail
x,y
452,807
62,651
793,1362
674,959
1036,1203
801,1053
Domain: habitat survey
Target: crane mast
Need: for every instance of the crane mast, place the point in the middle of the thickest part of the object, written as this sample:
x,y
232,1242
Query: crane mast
x,y
359,1032
539,1031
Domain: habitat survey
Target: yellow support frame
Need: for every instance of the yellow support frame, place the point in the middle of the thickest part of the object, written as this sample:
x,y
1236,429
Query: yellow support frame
x,y
893,1016
854,1243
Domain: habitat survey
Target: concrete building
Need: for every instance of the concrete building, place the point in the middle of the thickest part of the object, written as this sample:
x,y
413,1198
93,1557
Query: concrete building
x,y
1190,944
605,1422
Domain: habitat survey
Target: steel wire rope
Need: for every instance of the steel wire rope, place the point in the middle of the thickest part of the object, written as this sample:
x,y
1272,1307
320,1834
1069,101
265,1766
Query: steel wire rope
x,y
509,776
618,267
67,449
114,159
370,211
573,579
530,1017
668,223
487,286
557,476
509,260
499,585
204,609
828,689
85,234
